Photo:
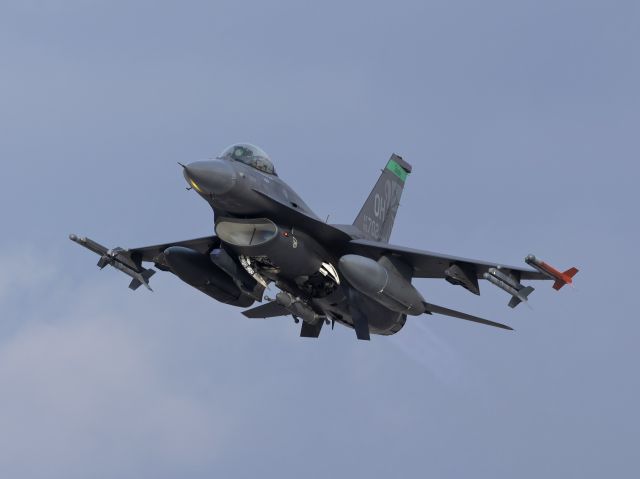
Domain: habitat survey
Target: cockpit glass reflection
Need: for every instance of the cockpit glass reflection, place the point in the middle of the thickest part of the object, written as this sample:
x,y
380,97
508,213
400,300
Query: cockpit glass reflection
x,y
249,155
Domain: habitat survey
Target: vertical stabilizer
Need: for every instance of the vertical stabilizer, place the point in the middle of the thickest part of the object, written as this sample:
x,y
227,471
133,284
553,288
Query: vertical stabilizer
x,y
378,213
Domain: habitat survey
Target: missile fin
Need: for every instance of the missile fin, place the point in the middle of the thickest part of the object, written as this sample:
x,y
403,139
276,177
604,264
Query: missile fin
x,y
522,296
103,262
515,301
570,273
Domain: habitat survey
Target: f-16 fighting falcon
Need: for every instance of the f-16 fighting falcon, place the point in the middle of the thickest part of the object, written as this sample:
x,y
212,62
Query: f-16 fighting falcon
x,y
325,273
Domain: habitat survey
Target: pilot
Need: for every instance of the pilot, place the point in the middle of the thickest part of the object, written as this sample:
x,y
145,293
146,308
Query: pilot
x,y
240,152
249,155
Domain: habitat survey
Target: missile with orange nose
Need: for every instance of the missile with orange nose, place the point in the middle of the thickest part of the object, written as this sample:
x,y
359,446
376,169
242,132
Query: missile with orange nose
x,y
561,278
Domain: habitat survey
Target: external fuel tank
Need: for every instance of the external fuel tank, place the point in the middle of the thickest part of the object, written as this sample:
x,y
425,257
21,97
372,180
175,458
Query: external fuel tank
x,y
384,282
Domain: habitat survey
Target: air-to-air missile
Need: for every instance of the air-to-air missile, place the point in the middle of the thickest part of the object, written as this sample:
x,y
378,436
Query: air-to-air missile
x,y
511,285
561,278
119,259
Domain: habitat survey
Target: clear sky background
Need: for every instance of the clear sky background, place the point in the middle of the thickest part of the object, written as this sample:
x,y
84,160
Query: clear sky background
x,y
521,119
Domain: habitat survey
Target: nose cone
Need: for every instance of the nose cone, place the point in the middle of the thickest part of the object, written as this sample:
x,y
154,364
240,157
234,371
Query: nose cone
x,y
211,177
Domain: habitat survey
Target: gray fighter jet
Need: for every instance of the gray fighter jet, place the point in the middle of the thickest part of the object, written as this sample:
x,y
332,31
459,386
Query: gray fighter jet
x,y
266,235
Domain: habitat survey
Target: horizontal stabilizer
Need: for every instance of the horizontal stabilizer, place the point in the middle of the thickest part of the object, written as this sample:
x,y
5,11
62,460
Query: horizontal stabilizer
x,y
435,309
267,310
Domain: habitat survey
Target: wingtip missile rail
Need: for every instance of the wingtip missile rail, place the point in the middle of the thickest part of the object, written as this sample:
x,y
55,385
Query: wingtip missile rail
x,y
560,278
118,258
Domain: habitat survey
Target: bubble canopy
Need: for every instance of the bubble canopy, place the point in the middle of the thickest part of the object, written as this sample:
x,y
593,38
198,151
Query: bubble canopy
x,y
249,155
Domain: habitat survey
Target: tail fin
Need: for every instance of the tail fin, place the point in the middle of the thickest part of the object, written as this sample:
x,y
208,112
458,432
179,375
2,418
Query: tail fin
x,y
378,213
571,272
524,293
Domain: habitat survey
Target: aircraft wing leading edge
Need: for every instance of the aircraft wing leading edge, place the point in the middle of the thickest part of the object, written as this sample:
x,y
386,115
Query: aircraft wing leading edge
x,y
129,261
148,253
427,264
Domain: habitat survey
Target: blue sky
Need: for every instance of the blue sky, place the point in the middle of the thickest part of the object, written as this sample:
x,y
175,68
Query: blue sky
x,y
521,120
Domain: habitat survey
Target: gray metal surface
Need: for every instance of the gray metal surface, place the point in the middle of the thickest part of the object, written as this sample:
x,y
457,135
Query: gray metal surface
x,y
427,264
349,274
378,214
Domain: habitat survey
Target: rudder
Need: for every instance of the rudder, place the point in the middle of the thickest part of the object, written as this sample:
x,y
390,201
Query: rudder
x,y
378,213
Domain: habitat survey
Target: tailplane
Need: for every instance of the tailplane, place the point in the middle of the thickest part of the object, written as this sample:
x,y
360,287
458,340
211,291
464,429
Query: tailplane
x,y
378,213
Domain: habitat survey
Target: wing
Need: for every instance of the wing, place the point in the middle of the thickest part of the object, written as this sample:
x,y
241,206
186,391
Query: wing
x,y
129,261
152,253
427,264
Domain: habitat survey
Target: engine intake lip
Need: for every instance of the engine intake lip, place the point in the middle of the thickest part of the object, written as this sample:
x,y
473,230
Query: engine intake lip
x,y
246,233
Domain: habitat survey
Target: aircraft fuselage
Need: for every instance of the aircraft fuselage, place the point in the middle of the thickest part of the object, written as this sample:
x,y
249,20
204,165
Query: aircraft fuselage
x,y
269,241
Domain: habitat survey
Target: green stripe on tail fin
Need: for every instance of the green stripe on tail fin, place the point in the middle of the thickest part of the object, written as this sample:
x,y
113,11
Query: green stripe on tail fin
x,y
394,167
378,213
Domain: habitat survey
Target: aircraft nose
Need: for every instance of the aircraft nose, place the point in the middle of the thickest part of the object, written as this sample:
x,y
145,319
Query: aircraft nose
x,y
214,177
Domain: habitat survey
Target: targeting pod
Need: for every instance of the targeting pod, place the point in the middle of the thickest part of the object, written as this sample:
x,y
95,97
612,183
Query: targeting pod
x,y
511,285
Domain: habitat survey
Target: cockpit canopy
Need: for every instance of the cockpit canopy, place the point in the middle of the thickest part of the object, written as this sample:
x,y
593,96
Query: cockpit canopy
x,y
249,155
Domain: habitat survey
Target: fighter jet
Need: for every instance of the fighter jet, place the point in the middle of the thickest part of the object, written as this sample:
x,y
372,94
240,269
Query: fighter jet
x,y
266,236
